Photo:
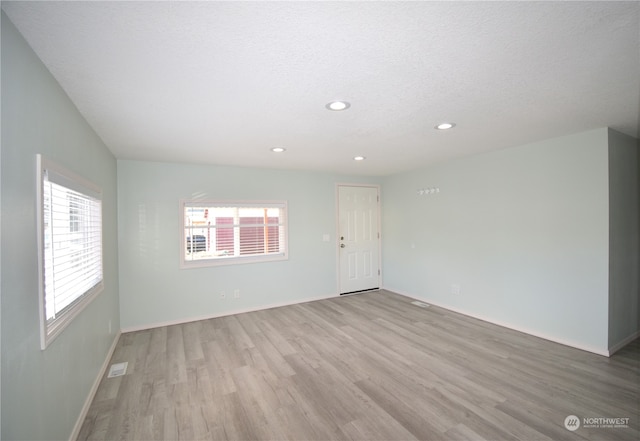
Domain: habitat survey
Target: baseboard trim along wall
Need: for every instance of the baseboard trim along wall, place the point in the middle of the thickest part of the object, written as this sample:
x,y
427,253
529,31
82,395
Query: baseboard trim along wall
x,y
598,351
94,389
615,348
225,313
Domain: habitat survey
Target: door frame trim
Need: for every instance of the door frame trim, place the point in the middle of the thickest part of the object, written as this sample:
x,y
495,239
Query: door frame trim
x,y
337,241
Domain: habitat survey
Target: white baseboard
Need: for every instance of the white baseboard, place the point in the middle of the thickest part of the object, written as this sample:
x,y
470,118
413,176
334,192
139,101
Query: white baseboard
x,y
94,389
223,314
572,344
615,348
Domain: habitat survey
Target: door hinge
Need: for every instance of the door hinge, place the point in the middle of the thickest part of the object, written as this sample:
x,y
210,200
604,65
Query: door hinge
x,y
378,272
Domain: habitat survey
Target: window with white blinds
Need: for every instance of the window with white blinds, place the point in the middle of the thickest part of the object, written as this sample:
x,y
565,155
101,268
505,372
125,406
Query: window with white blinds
x,y
70,246
219,233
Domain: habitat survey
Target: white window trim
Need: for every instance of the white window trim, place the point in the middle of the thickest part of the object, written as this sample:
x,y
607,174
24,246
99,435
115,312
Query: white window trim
x,y
238,260
71,180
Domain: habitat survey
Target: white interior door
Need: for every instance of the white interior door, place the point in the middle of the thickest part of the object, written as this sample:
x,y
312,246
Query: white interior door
x,y
359,238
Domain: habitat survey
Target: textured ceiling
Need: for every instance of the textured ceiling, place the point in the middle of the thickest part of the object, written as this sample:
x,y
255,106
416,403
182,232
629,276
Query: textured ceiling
x,y
224,82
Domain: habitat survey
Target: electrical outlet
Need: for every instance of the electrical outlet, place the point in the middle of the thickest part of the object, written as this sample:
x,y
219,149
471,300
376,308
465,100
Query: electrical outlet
x,y
223,295
236,294
109,326
455,289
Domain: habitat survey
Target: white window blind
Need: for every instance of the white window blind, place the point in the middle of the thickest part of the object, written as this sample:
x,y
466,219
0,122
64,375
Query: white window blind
x,y
70,243
217,233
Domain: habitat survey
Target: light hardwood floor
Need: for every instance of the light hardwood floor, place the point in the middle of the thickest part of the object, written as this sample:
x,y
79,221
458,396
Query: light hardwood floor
x,y
370,366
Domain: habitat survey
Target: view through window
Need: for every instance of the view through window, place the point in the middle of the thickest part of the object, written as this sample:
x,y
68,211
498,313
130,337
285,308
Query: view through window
x,y
222,233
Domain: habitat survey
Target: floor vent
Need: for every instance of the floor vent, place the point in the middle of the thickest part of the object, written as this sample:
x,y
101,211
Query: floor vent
x,y
420,304
118,369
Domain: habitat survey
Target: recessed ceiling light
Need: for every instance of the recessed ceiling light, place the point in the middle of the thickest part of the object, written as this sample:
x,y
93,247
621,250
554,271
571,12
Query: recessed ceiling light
x,y
359,158
278,149
445,126
338,105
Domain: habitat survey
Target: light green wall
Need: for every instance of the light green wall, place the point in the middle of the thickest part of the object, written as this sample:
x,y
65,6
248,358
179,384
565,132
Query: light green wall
x,y
523,231
624,250
43,391
154,290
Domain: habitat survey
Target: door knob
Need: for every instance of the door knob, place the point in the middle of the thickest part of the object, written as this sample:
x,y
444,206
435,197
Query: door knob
x,y
342,245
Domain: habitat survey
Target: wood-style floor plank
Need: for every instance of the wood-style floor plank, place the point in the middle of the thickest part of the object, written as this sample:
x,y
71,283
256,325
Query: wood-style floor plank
x,y
364,367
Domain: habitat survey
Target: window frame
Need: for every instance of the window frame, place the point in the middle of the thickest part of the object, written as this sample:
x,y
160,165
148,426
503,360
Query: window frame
x,y
232,260
51,329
